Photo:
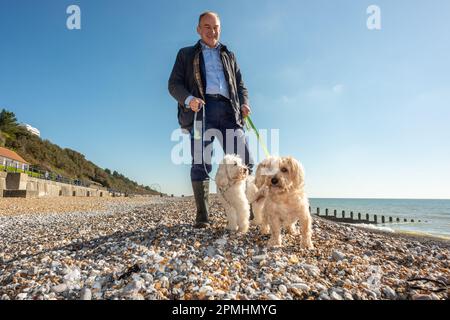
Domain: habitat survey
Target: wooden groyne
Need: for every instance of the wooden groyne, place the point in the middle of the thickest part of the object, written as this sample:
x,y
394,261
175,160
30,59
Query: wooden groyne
x,y
358,217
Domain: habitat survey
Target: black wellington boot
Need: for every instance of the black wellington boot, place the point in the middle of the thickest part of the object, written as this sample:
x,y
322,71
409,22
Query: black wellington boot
x,y
201,195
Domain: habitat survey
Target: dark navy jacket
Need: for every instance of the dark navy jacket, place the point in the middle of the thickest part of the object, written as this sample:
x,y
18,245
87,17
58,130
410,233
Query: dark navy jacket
x,y
188,78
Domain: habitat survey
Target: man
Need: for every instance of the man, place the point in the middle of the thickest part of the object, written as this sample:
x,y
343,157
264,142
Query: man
x,y
207,76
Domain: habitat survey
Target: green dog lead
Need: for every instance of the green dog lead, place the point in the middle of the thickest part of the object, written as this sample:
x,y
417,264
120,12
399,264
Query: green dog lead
x,y
250,124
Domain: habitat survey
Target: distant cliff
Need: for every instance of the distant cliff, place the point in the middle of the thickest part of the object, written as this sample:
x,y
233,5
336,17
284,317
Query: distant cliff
x,y
46,156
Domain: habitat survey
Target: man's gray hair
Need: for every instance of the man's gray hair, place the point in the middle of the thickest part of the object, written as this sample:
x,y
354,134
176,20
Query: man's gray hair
x,y
206,13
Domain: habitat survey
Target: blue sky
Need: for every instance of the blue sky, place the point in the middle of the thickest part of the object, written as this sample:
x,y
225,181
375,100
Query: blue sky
x,y
366,112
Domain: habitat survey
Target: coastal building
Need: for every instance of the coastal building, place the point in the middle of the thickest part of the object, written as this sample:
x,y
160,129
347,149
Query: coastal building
x,y
31,129
9,158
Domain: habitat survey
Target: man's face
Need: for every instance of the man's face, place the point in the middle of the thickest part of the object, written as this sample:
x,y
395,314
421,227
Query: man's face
x,y
209,30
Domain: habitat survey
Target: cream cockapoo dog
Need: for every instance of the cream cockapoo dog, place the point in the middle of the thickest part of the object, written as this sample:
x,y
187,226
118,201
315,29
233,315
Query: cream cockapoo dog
x,y
231,184
284,200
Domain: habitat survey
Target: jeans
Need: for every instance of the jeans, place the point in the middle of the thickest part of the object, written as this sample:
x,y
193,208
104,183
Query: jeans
x,y
220,123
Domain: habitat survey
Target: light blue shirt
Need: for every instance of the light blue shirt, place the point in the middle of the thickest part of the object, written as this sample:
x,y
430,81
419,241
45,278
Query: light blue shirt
x,y
215,76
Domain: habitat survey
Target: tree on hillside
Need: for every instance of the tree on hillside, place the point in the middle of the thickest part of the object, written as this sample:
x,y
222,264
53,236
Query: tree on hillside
x,y
2,139
7,117
9,128
8,122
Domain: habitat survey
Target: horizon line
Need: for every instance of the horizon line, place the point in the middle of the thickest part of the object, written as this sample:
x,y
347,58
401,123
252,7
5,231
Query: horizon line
x,y
365,198
357,198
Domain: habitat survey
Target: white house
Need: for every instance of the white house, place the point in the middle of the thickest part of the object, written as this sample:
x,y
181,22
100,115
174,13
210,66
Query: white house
x,y
31,129
9,158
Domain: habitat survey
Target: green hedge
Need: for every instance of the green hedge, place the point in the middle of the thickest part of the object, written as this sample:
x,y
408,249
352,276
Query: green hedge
x,y
12,169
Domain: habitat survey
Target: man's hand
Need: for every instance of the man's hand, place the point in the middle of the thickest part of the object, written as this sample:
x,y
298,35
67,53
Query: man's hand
x,y
196,104
246,111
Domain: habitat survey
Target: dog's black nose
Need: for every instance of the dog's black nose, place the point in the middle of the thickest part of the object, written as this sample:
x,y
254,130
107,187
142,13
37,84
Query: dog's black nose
x,y
274,180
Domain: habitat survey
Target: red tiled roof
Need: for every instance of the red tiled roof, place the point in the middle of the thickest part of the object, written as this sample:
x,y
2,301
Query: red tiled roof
x,y
6,153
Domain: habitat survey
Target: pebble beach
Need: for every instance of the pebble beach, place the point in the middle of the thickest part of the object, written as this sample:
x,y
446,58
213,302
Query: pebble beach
x,y
145,248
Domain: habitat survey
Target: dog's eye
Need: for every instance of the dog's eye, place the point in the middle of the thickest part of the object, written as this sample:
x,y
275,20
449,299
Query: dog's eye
x,y
235,164
284,170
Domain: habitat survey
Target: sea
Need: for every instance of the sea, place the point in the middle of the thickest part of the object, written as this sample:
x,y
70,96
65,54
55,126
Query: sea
x,y
434,214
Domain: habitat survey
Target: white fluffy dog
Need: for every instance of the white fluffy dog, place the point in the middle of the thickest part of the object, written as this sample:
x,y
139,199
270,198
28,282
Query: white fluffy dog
x,y
284,200
231,184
